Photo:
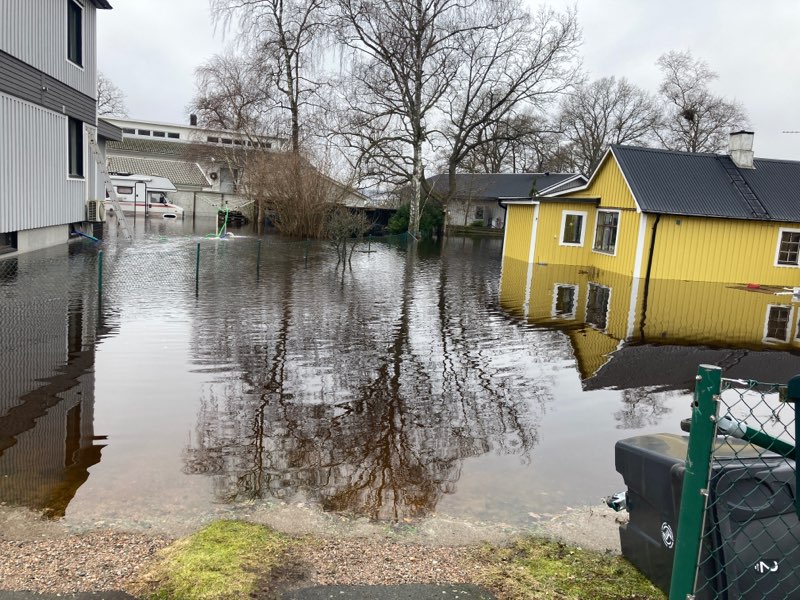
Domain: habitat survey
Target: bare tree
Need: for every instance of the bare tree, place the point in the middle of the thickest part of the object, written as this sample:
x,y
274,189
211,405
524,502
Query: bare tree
x,y
695,119
282,34
233,93
405,56
345,227
521,143
520,61
110,99
604,112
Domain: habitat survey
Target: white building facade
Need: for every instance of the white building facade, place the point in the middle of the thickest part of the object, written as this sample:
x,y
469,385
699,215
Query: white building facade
x,y
48,108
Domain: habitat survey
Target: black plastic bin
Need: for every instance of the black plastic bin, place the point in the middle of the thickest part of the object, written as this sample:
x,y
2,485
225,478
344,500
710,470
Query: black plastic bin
x,y
753,550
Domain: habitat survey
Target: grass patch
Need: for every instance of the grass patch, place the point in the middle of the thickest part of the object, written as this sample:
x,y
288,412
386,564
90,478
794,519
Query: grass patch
x,y
226,559
542,569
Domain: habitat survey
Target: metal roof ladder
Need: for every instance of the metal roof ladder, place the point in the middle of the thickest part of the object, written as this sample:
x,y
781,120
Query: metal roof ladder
x,y
757,209
112,194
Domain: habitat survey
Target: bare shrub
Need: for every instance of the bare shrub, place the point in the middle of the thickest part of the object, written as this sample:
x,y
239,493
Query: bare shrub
x,y
346,227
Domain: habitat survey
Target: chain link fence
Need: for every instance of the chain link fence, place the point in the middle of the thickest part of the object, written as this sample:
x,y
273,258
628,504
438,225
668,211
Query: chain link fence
x,y
738,528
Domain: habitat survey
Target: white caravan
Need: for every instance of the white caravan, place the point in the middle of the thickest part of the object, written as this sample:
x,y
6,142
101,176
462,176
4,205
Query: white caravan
x,y
144,195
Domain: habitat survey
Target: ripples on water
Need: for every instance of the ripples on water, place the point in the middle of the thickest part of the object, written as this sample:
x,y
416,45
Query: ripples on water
x,y
393,389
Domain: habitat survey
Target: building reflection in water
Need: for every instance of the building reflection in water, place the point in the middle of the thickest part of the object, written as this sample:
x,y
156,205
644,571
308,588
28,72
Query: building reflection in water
x,y
364,397
47,347
629,334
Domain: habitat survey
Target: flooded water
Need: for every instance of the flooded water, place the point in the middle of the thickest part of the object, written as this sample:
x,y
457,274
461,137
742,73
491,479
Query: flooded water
x,y
416,382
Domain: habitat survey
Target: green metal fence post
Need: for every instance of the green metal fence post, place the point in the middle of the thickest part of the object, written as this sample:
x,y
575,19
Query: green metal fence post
x,y
793,395
197,271
695,482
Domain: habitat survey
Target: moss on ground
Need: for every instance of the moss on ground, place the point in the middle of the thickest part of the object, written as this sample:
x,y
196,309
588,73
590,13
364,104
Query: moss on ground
x,y
534,568
226,559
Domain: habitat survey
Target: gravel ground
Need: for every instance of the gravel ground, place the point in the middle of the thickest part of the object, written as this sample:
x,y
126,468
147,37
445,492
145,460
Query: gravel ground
x,y
46,556
98,560
368,562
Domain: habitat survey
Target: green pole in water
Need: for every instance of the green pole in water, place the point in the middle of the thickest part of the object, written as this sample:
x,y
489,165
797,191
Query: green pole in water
x,y
369,243
100,273
258,259
197,271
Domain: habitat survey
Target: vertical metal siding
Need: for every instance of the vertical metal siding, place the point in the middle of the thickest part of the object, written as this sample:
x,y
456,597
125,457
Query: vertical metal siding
x,y
720,250
35,31
518,236
34,189
609,185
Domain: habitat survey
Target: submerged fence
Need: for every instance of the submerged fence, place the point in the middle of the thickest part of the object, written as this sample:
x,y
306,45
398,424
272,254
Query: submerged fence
x,y
738,530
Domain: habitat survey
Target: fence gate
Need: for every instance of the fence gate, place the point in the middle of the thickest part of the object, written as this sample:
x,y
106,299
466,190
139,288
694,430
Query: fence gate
x,y
738,528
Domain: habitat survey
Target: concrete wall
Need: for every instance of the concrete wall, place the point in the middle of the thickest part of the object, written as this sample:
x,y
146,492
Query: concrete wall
x,y
206,204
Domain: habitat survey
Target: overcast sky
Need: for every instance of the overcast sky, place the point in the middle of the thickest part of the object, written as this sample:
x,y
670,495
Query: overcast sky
x,y
150,49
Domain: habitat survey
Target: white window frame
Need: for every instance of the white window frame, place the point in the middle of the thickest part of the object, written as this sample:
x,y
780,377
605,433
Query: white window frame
x,y
82,8
566,316
771,340
594,236
577,213
608,307
781,231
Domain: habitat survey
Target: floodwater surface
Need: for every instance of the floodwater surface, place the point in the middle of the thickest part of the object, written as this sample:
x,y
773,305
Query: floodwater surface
x,y
415,381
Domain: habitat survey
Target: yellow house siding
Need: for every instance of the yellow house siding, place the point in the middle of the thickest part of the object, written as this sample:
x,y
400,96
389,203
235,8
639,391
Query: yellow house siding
x,y
513,285
610,186
691,312
548,236
519,224
720,250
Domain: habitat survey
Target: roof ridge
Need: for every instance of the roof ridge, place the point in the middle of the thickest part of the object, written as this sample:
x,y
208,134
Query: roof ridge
x,y
665,150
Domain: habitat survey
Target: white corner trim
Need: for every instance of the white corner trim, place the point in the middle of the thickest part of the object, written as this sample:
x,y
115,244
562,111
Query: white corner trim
x,y
531,255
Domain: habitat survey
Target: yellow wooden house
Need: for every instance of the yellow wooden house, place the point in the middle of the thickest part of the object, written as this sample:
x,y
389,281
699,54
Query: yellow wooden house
x,y
656,214
661,247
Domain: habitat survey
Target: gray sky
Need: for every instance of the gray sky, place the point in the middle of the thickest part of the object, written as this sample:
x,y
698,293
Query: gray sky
x,y
150,49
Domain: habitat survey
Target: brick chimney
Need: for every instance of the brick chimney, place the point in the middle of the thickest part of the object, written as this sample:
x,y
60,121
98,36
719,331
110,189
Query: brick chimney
x,y
193,121
740,147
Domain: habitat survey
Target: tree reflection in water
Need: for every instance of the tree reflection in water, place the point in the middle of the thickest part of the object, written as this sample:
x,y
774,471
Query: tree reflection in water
x,y
363,397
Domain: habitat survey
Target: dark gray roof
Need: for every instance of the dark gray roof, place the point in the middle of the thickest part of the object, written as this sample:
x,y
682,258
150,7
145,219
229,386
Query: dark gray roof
x,y
491,186
635,366
179,172
101,3
700,184
108,131
149,146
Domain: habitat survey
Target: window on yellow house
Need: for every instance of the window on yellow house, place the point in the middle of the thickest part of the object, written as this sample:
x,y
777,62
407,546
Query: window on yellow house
x,y
788,248
564,300
572,228
597,303
605,233
776,328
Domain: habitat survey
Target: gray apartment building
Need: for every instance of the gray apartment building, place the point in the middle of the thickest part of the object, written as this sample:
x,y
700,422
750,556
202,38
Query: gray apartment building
x,y
48,108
